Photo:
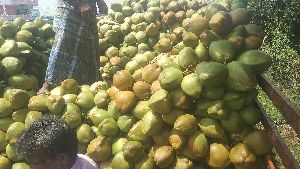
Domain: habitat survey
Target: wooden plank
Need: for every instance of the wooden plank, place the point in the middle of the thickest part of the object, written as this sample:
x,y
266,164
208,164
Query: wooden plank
x,y
283,151
290,112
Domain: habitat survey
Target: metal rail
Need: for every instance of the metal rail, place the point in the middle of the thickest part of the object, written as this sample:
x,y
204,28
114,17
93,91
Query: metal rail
x,y
282,149
290,113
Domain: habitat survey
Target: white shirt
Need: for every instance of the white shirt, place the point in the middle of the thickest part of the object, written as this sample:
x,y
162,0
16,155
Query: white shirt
x,y
84,162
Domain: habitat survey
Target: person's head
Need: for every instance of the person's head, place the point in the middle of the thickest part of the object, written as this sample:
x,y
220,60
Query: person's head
x,y
48,143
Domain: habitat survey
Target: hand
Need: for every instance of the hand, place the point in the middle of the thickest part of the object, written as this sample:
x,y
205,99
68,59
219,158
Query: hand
x,y
102,7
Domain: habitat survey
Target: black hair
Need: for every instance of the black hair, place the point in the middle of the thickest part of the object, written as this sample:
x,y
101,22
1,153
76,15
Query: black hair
x,y
47,136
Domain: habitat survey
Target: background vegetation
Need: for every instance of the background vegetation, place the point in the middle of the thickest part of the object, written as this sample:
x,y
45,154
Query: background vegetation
x,y
281,21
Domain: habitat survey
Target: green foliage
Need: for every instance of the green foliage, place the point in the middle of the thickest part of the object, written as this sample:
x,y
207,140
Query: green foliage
x,y
281,21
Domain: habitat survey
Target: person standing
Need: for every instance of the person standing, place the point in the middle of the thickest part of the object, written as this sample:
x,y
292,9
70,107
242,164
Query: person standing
x,y
75,52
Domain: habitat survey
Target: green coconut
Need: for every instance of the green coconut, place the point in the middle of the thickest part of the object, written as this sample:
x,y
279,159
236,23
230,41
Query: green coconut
x,y
24,36
172,116
234,100
129,51
211,128
20,115
256,60
186,124
218,156
218,110
127,10
222,51
141,109
212,9
125,123
177,48
108,127
248,159
58,91
254,30
258,141
119,162
113,111
11,153
136,134
97,115
197,25
14,131
125,101
118,145
20,166
202,53
85,100
142,90
47,31
198,144
55,104
112,52
180,100
69,98
160,102
238,31
240,77
19,21
183,163
72,118
213,93
221,23
70,86
38,103
6,108
170,78
146,163
251,115
164,156
151,73
12,65
152,123
238,42
99,149
101,99
209,36
5,163
31,27
162,138
5,123
9,48
190,39
123,80
177,140
211,73
133,151
8,30
85,134
22,81
100,85
191,85
163,45
234,123
187,58
253,42
240,16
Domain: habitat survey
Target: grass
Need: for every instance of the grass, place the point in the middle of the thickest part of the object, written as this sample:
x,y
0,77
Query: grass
x,y
287,133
